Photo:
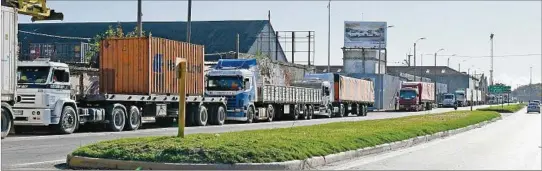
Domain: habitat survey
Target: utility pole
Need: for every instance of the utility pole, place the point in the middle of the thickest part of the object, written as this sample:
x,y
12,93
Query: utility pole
x,y
139,22
415,69
409,59
329,36
491,70
189,21
531,83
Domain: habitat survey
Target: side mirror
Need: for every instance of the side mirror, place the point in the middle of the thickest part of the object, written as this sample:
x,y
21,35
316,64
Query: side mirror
x,y
246,84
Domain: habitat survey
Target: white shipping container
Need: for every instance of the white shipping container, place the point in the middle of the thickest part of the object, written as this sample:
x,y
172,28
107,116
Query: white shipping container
x,y
8,67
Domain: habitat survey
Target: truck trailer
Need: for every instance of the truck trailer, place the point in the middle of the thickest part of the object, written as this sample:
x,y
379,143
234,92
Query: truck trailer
x,y
344,95
417,96
137,84
8,66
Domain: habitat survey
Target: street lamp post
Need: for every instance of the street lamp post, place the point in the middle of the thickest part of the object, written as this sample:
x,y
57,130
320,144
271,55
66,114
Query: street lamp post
x,y
415,70
435,76
329,36
379,66
448,64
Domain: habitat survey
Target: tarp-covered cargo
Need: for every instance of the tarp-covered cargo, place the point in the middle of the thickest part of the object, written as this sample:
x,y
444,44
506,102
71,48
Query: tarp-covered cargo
x,y
148,66
426,90
354,90
8,52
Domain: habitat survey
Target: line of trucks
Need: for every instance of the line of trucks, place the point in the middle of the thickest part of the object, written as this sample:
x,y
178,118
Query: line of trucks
x,y
136,89
419,96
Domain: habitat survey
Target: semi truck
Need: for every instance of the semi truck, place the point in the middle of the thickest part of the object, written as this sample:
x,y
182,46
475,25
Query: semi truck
x,y
8,66
251,98
417,96
343,95
133,89
463,97
449,100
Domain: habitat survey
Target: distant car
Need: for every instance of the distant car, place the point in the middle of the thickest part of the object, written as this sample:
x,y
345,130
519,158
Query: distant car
x,y
533,107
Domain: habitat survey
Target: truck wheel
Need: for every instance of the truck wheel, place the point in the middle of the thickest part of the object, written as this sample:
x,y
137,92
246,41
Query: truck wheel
x,y
134,119
329,111
218,117
117,119
271,112
342,110
365,111
68,121
250,114
202,116
359,110
305,113
6,123
295,115
310,112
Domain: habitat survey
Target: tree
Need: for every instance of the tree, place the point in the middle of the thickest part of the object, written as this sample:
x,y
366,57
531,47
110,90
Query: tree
x,y
111,32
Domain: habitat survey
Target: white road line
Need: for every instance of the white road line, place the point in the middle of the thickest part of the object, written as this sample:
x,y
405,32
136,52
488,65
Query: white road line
x,y
35,163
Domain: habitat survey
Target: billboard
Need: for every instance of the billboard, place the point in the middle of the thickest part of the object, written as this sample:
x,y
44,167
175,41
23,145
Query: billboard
x,y
362,34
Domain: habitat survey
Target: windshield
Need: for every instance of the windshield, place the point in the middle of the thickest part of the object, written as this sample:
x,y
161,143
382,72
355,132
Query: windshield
x,y
224,83
460,95
32,75
448,96
407,94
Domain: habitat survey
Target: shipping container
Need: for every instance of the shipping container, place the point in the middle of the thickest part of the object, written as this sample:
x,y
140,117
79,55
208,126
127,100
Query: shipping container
x,y
8,50
147,66
72,52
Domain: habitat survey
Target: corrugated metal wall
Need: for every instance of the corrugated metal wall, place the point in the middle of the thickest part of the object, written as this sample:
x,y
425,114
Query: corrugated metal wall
x,y
390,85
148,66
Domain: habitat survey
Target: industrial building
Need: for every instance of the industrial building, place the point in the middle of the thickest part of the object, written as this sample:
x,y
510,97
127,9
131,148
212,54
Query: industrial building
x,y
442,74
218,37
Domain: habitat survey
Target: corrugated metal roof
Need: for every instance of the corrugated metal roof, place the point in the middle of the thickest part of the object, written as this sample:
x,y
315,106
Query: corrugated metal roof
x,y
217,36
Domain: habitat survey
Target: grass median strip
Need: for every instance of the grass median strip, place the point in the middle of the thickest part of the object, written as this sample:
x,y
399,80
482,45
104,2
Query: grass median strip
x,y
506,108
282,144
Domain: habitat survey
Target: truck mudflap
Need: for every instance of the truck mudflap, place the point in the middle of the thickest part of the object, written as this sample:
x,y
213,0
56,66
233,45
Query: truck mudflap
x,y
32,117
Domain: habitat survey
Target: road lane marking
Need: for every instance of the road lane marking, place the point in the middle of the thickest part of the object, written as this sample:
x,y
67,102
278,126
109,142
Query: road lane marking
x,y
35,163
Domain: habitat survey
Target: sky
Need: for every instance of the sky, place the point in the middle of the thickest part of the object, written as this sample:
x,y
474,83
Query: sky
x,y
460,27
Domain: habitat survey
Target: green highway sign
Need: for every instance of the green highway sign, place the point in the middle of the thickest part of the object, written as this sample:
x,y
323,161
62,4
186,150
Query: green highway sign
x,y
499,89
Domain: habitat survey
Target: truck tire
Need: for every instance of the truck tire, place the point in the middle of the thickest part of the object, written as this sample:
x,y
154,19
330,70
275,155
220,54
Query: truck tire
x,y
117,119
359,110
271,112
342,111
310,111
202,116
329,111
250,114
68,121
134,119
7,122
218,116
295,114
305,113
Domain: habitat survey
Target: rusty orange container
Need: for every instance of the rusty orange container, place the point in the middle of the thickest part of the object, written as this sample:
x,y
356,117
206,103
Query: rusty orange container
x,y
147,65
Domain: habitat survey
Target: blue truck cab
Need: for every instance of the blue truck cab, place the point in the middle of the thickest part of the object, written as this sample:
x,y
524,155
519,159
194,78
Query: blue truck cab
x,y
234,79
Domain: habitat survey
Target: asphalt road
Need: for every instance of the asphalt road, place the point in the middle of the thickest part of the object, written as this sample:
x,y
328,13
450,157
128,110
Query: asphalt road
x,y
49,151
513,143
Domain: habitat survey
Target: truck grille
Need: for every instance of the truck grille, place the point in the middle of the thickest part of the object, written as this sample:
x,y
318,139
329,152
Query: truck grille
x,y
28,98
231,102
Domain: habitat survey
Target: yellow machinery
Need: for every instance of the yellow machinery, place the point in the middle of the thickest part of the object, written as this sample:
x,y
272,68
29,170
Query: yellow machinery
x,y
35,8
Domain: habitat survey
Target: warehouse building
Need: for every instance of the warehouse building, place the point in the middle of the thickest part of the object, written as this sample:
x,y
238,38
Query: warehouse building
x,y
218,37
441,74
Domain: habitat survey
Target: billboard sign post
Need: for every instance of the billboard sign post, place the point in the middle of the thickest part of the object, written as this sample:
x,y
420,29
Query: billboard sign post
x,y
361,34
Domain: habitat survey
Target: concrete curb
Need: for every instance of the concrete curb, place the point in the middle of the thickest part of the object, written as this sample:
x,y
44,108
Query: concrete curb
x,y
310,163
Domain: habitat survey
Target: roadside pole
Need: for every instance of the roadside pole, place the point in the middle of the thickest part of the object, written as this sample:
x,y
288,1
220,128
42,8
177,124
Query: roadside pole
x,y
471,97
181,83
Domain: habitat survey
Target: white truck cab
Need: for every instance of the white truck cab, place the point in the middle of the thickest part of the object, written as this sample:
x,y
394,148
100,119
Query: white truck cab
x,y
44,94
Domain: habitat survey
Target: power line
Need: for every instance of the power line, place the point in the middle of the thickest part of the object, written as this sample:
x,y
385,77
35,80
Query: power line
x,y
56,36
501,56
